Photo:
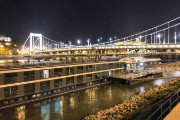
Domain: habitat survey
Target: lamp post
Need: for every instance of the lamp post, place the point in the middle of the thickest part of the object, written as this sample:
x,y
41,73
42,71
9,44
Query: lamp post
x,y
140,37
110,40
88,41
69,42
159,36
98,40
175,37
101,38
78,42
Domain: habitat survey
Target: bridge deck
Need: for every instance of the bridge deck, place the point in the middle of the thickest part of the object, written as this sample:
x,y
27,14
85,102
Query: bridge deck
x,y
174,114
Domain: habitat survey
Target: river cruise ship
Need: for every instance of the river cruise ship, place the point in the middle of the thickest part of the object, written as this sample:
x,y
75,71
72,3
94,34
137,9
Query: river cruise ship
x,y
36,82
32,83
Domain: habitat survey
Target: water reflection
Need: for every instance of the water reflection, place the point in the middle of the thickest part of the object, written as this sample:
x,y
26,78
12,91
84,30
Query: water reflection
x,y
77,105
142,89
91,94
58,105
58,108
161,81
37,105
45,112
109,93
20,112
172,74
72,104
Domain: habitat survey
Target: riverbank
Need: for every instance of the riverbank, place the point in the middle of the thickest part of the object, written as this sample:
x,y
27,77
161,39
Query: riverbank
x,y
133,105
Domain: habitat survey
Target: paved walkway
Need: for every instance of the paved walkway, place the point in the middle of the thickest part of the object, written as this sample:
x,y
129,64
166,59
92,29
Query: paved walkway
x,y
174,114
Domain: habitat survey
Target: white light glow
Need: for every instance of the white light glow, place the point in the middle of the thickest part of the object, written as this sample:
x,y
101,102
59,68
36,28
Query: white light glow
x,y
158,35
78,41
141,64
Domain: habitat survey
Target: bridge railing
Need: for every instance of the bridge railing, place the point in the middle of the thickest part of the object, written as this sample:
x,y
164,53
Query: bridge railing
x,y
165,108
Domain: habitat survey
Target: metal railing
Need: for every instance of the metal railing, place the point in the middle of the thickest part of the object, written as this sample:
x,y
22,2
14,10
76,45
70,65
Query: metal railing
x,y
165,108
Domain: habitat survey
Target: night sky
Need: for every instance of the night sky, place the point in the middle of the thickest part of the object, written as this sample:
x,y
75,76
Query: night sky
x,y
65,20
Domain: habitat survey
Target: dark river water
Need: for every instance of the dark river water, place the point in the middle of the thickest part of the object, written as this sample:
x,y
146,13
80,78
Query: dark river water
x,y
77,105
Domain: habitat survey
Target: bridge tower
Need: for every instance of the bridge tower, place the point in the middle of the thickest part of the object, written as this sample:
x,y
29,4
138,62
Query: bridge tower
x,y
36,41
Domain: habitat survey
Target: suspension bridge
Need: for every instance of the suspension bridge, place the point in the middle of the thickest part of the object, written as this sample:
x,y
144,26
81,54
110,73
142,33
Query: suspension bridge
x,y
163,35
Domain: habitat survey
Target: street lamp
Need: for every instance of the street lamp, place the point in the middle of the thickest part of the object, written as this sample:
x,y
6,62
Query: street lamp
x,y
78,42
88,41
69,42
175,37
110,40
159,36
140,37
98,40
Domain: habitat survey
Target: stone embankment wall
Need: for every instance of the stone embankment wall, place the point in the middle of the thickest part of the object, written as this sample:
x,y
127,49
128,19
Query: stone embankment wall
x,y
132,105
